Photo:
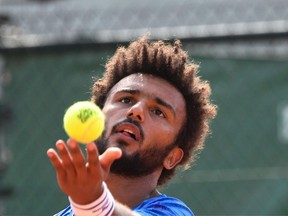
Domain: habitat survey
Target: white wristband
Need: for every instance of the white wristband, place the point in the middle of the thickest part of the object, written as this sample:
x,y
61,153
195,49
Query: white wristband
x,y
103,206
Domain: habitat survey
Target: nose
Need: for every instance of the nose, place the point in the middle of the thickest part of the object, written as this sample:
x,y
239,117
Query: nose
x,y
136,112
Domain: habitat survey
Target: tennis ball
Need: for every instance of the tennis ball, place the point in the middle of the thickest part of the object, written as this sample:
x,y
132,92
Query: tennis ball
x,y
84,121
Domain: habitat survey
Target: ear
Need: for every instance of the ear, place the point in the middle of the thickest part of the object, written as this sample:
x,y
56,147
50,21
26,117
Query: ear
x,y
173,158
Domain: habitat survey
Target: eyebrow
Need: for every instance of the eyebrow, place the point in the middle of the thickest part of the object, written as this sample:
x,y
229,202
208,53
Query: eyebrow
x,y
156,99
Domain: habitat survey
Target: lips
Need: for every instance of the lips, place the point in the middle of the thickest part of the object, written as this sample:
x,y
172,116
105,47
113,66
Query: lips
x,y
129,130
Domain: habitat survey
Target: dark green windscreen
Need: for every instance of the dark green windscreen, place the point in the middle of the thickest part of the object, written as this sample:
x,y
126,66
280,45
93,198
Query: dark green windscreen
x,y
242,171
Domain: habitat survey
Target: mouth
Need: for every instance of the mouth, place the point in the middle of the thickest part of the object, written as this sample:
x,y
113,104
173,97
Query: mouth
x,y
129,130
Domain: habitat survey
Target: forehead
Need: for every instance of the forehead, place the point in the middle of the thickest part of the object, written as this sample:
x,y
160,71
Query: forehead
x,y
151,85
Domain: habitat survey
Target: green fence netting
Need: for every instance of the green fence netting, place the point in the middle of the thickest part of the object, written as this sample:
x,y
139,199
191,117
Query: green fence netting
x,y
242,171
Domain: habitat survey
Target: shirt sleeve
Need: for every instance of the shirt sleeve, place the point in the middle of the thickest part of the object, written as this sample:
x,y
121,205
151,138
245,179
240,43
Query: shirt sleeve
x,y
157,206
66,212
163,205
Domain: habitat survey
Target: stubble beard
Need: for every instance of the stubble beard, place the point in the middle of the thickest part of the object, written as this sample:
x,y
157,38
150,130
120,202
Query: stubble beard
x,y
137,164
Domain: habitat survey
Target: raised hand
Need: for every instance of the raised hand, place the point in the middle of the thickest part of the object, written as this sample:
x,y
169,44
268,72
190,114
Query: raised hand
x,y
78,178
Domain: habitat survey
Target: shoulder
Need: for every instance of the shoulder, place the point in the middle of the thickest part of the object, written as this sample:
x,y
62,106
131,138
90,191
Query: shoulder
x,y
163,205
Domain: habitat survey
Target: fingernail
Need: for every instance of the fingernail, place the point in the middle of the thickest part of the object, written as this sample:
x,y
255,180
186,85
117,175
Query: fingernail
x,y
60,146
49,153
90,146
72,144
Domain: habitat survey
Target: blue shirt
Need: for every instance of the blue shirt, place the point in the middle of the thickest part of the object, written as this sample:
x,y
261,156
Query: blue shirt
x,y
160,205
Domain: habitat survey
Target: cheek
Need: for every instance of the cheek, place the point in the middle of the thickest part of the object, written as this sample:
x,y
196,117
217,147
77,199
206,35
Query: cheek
x,y
111,111
110,118
161,134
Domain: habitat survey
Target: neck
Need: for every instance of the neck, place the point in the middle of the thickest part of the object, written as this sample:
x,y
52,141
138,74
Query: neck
x,y
133,191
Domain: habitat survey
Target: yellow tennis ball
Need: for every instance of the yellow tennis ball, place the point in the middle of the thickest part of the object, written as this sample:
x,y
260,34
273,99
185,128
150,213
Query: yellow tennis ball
x,y
84,121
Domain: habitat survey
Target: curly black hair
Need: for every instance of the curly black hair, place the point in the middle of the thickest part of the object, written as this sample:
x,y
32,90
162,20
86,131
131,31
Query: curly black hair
x,y
171,63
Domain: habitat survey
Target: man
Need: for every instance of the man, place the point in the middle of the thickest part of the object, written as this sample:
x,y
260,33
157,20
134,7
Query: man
x,y
157,117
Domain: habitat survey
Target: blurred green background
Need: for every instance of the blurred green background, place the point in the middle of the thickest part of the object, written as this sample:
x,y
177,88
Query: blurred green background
x,y
51,50
243,169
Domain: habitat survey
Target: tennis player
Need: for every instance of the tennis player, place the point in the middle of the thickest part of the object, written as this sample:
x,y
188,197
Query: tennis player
x,y
157,112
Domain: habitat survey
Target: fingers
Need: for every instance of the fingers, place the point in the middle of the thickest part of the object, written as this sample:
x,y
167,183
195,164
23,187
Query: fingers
x,y
92,154
57,163
77,158
105,160
69,161
66,158
109,156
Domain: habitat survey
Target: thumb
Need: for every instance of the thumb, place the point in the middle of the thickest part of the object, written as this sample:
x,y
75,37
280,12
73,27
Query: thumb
x,y
109,156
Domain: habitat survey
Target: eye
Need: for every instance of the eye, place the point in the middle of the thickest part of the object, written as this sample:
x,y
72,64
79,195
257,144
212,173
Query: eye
x,y
126,100
159,112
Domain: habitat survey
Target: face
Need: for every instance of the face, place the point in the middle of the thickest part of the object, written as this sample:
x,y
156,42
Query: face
x,y
144,115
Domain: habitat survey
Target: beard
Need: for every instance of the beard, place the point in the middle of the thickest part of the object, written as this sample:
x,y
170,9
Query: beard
x,y
138,164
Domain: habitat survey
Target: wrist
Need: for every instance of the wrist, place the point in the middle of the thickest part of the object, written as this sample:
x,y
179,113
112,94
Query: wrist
x,y
103,206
